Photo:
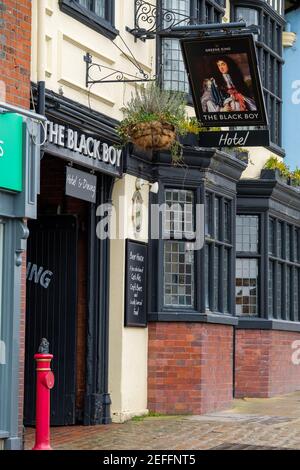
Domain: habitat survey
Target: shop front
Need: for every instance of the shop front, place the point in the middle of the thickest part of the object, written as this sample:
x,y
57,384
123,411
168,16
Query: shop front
x,y
68,265
18,195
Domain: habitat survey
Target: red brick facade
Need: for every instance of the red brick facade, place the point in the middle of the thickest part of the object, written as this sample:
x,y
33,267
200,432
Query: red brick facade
x,y
15,50
263,363
189,367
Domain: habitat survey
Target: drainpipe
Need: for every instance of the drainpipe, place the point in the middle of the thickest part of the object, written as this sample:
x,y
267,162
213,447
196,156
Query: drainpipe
x,y
41,37
41,63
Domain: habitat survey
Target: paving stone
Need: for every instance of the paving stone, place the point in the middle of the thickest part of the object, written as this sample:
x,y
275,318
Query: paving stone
x,y
252,424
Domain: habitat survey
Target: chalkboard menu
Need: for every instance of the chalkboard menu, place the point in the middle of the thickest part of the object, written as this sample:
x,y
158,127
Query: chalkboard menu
x,y
135,283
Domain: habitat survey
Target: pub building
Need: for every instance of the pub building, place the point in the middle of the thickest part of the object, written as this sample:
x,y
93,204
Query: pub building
x,y
137,323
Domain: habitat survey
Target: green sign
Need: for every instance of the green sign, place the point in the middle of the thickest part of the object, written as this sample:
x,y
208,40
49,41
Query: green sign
x,y
11,152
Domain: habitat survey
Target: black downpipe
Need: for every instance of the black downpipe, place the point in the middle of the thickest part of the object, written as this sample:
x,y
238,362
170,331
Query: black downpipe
x,y
41,109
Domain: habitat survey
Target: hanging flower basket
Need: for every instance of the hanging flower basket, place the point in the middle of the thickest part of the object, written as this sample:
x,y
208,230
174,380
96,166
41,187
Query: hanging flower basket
x,y
154,135
154,119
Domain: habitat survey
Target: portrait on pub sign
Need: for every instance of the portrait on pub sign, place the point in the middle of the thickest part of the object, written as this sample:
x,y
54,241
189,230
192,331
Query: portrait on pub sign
x,y
225,82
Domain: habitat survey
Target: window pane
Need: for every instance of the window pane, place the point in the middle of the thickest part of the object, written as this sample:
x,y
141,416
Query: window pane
x,y
289,243
217,218
178,274
271,288
247,233
296,294
271,237
226,280
100,8
216,279
179,219
249,15
207,268
297,245
280,230
227,221
86,3
246,287
208,215
279,290
174,74
288,292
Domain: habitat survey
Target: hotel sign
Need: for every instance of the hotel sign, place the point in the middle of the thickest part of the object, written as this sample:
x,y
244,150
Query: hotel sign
x,y
11,152
249,138
86,150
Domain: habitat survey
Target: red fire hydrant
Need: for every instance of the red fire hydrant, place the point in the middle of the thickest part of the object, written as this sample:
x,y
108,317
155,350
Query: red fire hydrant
x,y
44,383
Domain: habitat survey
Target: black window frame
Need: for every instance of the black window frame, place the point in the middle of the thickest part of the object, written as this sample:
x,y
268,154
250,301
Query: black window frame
x,y
281,260
104,26
268,57
215,241
265,258
257,255
156,265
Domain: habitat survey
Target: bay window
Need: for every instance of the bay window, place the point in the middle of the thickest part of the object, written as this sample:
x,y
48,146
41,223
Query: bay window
x,y
284,270
172,67
195,280
269,17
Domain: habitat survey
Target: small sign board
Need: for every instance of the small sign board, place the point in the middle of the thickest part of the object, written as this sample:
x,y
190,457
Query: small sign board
x,y
11,152
135,283
257,138
225,81
81,185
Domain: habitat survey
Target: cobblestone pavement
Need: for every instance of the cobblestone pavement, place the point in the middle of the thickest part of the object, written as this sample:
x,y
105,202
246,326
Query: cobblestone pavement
x,y
265,423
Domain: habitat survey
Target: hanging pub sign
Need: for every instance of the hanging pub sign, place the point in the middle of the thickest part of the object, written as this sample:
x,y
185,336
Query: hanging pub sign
x,y
135,283
225,82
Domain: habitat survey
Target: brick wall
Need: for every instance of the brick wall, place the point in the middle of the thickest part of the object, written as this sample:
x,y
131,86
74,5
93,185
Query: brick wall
x,y
189,367
263,363
15,49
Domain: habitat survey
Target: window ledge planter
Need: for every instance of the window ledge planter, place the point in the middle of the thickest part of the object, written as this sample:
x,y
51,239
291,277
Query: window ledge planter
x,y
268,174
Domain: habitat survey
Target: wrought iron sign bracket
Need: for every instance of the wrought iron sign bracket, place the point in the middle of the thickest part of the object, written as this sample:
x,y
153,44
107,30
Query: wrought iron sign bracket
x,y
111,75
152,21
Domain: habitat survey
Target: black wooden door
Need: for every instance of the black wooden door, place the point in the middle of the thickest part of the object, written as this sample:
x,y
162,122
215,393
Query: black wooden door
x,y
51,312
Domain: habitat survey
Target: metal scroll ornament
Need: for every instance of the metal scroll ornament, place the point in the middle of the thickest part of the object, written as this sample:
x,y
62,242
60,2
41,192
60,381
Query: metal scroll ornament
x,y
151,20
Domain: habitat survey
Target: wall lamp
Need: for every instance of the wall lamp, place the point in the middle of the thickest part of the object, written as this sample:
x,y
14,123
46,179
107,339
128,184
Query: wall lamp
x,y
154,187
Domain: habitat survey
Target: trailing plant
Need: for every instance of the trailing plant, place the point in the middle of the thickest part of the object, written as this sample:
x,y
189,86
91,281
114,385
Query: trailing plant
x,y
273,163
296,176
155,118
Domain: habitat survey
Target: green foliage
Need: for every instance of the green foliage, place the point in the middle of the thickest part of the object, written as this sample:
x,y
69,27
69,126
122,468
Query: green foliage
x,y
151,103
296,176
273,163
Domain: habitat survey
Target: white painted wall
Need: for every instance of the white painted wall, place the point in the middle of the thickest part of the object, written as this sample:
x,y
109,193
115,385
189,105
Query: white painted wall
x,y
59,43
128,346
